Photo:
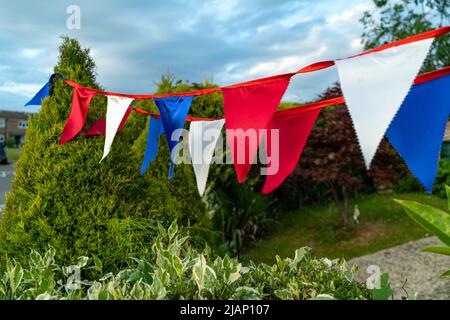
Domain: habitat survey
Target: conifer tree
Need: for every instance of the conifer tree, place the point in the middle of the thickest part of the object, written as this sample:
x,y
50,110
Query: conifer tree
x,y
62,196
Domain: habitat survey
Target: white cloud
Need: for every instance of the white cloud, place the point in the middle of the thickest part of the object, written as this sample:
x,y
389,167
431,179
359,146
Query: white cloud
x,y
22,89
133,44
286,64
348,17
28,53
356,44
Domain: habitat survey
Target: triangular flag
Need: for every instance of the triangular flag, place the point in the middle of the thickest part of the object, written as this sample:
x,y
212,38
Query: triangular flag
x,y
247,110
99,127
173,111
418,129
284,152
43,93
115,112
374,86
81,100
203,136
155,129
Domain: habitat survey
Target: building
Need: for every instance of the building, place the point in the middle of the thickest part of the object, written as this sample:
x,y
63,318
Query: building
x,y
13,126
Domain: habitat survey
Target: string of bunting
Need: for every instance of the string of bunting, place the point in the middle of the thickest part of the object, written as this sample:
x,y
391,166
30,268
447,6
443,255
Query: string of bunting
x,y
380,87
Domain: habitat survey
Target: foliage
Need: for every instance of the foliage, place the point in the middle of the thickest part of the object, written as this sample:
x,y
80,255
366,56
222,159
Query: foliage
x,y
331,159
13,154
331,165
239,212
433,220
177,271
240,216
382,225
11,143
382,289
61,196
394,20
442,178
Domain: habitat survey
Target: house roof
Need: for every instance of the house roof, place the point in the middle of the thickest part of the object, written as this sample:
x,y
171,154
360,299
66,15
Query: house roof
x,y
14,114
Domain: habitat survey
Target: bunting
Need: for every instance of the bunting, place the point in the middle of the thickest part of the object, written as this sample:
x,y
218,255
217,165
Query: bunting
x,y
81,100
374,86
173,111
203,137
248,110
115,112
418,129
292,132
99,127
155,129
43,93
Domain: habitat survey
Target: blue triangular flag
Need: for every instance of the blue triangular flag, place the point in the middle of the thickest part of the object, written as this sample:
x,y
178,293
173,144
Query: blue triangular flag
x,y
173,111
418,128
155,129
43,93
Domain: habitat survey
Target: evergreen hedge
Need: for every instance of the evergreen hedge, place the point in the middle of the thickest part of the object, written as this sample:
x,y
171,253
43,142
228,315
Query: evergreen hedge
x,y
61,196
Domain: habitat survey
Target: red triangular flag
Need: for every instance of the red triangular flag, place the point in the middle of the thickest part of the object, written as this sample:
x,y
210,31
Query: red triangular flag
x,y
247,110
81,100
293,132
99,127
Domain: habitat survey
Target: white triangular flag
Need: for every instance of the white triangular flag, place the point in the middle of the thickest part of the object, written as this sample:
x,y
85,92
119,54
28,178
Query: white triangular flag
x,y
374,87
203,136
115,111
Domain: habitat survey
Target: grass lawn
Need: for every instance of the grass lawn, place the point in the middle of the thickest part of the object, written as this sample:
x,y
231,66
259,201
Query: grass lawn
x,y
383,224
13,154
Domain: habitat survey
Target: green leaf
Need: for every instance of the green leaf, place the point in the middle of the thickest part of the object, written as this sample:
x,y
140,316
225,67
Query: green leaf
x,y
82,262
431,219
382,289
172,231
45,296
447,191
137,293
93,292
437,249
98,265
247,293
323,297
198,272
47,282
299,256
446,274
15,275
283,294
178,265
158,289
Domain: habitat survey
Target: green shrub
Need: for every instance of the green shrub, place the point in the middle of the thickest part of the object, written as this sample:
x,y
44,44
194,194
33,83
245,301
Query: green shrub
x,y
241,215
238,211
177,271
62,196
408,183
11,143
442,178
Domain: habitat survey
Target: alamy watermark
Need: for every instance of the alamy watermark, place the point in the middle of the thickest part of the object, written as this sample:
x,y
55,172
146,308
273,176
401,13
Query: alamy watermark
x,y
373,281
73,21
239,147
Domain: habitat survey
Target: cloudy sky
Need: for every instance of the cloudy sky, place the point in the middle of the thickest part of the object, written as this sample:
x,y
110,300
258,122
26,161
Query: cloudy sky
x,y
134,42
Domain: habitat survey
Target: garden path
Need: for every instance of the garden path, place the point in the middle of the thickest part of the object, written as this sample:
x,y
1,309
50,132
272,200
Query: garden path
x,y
420,270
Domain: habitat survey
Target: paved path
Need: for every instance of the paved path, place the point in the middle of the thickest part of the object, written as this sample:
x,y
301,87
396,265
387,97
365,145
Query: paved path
x,y
404,263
